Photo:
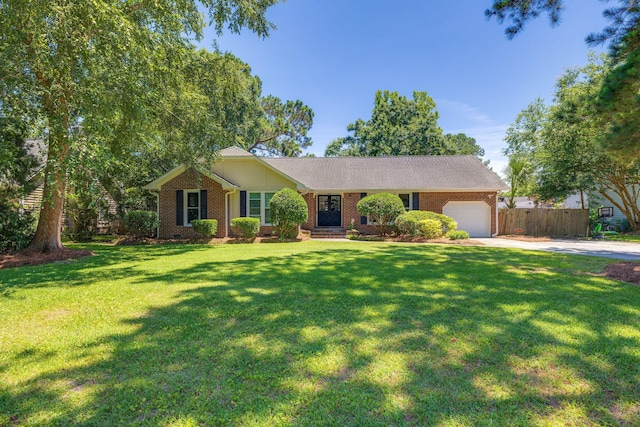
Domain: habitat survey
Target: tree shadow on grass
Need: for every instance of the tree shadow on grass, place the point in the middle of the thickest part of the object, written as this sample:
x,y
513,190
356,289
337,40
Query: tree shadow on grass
x,y
390,335
109,261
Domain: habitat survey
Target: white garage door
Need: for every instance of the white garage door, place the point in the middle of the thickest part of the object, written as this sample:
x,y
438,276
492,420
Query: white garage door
x,y
472,217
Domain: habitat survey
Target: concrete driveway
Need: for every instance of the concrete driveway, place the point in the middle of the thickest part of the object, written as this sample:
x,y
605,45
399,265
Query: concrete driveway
x,y
601,248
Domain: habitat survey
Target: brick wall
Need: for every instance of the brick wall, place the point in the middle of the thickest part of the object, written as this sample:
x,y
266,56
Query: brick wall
x,y
189,181
435,202
312,204
350,212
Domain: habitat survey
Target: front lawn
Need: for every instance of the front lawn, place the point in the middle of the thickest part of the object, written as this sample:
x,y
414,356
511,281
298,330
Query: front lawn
x,y
318,333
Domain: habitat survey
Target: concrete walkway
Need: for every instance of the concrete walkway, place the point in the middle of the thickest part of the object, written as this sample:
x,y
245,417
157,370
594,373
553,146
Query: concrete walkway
x,y
601,248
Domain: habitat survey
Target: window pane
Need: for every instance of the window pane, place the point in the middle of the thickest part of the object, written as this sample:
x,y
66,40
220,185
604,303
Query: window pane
x,y
254,212
323,203
267,199
405,200
335,203
254,203
192,214
254,196
267,216
193,200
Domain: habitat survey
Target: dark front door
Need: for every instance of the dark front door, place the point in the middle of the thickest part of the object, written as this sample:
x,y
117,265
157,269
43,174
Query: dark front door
x,y
329,211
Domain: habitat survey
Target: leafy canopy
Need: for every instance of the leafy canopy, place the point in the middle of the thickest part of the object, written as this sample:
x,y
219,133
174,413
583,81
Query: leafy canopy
x,y
400,126
115,71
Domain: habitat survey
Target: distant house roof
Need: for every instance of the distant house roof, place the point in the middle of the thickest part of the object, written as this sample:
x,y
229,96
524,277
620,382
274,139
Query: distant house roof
x,y
234,152
432,173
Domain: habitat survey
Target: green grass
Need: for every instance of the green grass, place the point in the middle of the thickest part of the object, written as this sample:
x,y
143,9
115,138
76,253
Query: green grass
x,y
318,333
624,237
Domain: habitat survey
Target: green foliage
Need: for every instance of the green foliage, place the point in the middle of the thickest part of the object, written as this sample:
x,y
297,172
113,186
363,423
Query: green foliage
x,y
571,157
617,96
406,225
17,165
123,74
288,211
284,128
401,127
141,223
16,229
382,210
245,227
430,228
17,168
457,235
447,223
205,227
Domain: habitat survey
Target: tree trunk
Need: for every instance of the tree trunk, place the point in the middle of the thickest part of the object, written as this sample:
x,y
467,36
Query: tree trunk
x,y
48,233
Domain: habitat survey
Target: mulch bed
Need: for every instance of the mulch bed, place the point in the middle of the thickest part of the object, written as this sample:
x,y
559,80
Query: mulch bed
x,y
36,258
442,240
625,271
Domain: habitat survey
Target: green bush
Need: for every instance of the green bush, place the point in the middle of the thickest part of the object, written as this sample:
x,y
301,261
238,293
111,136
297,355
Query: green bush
x,y
382,209
406,225
245,227
288,211
205,227
458,235
141,223
16,229
430,228
448,223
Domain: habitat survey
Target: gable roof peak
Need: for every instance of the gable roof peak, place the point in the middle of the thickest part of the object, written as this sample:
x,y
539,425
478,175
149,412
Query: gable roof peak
x,y
234,151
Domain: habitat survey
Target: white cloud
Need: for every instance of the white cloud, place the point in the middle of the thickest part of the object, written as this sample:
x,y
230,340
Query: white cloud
x,y
469,112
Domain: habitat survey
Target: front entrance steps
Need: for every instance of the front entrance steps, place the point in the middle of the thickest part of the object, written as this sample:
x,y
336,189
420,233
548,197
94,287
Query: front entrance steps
x,y
328,233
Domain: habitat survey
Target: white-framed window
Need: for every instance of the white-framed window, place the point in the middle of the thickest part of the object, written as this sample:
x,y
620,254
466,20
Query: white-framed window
x,y
191,206
406,200
258,205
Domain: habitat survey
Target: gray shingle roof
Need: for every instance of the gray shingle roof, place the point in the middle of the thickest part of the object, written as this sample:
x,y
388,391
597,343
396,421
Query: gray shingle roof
x,y
234,152
435,173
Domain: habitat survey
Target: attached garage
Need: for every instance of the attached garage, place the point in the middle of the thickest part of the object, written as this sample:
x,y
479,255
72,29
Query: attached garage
x,y
472,217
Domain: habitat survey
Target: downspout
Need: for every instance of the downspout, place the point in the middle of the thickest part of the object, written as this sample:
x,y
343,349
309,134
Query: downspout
x,y
495,204
227,213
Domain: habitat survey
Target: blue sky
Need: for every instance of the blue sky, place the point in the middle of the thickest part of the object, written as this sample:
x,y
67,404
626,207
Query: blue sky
x,y
334,54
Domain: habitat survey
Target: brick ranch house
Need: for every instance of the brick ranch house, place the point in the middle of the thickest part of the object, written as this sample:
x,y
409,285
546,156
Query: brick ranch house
x,y
241,184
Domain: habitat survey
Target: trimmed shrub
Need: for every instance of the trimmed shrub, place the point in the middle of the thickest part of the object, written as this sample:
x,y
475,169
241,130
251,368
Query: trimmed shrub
x,y
382,209
205,227
448,223
288,211
458,235
406,225
141,223
430,228
245,227
16,229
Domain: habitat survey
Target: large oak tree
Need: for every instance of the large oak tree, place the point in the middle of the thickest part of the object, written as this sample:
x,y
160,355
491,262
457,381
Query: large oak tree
x,y
107,69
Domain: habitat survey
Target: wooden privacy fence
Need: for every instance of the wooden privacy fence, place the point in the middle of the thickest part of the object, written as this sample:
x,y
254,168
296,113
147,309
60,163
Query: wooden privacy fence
x,y
544,222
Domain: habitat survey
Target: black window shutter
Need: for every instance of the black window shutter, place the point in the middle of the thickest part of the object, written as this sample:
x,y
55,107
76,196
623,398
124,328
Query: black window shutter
x,y
416,201
203,204
243,203
179,207
363,219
